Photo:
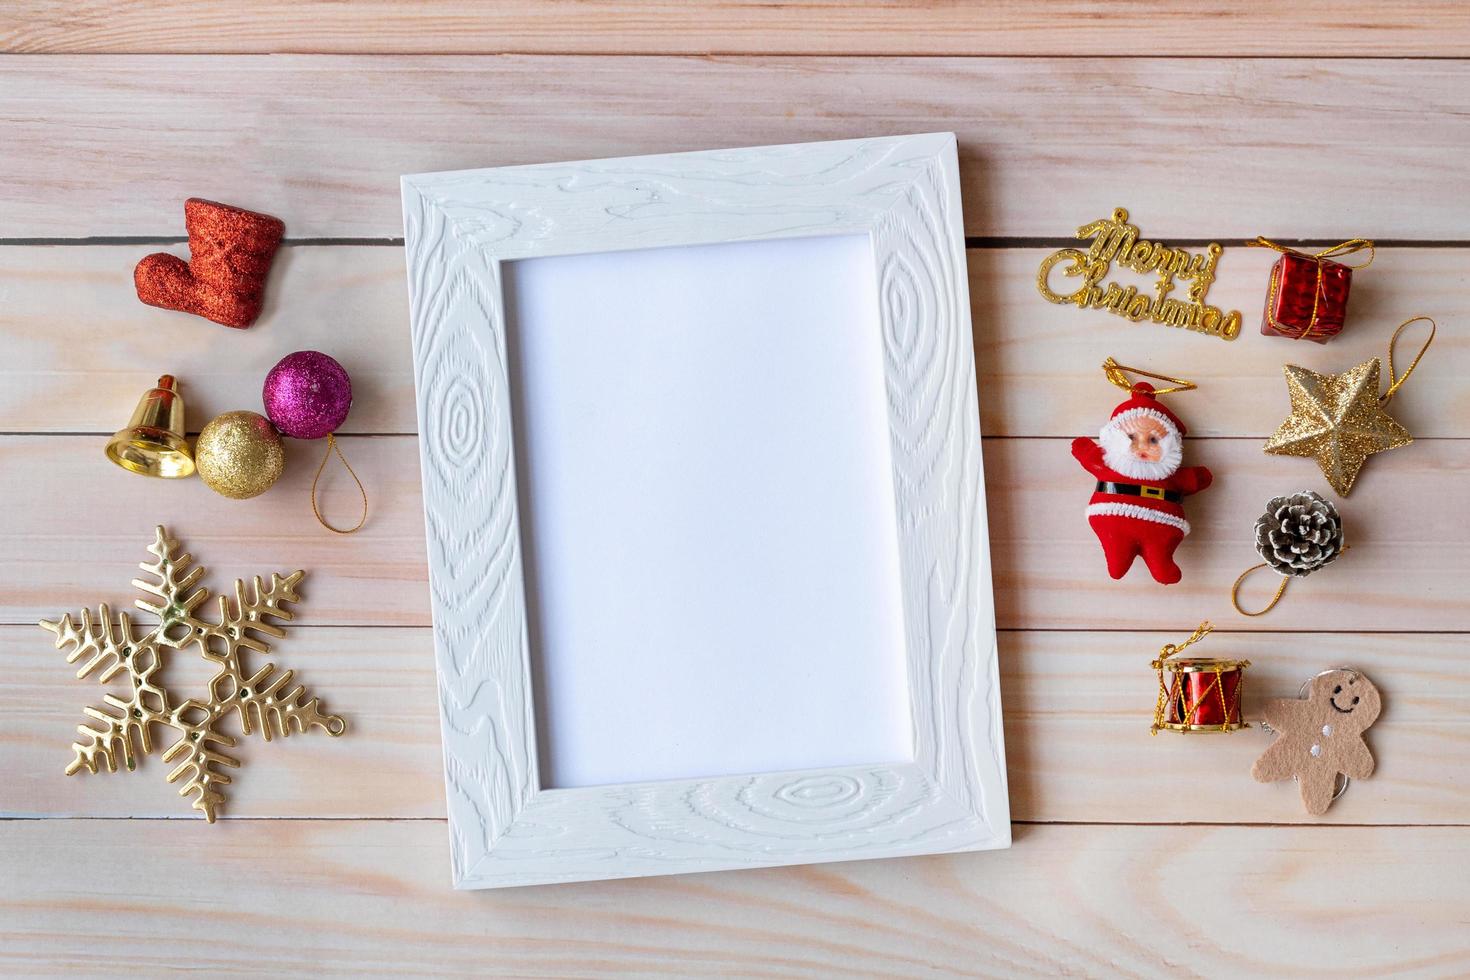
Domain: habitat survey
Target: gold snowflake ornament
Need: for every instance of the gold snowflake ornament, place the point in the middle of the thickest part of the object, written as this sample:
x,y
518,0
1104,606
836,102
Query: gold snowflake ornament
x,y
263,700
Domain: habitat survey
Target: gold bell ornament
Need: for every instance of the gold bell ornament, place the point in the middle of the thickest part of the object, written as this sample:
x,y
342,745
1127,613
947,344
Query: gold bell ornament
x,y
153,443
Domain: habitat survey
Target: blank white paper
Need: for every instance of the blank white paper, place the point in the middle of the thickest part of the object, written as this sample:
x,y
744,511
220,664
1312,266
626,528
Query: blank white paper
x,y
707,511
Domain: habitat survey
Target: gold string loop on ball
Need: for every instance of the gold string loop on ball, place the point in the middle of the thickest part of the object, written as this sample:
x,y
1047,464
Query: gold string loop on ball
x,y
333,446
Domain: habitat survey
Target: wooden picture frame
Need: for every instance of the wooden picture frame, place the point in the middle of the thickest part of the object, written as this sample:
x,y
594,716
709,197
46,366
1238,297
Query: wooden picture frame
x,y
506,827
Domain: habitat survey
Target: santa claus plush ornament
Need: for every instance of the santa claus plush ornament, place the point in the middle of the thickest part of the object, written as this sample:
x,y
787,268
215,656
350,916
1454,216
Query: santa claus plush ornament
x,y
1137,506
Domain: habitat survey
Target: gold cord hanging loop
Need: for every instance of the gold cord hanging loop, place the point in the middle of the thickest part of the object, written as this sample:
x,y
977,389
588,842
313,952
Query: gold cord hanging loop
x,y
1169,649
332,445
1280,589
1235,592
1118,375
1394,381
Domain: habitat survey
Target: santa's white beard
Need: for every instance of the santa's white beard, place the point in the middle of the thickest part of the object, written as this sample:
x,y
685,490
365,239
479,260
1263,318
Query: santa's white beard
x,y
1118,455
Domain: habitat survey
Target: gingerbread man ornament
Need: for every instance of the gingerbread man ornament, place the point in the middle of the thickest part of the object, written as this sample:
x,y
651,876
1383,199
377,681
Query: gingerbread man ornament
x,y
1321,736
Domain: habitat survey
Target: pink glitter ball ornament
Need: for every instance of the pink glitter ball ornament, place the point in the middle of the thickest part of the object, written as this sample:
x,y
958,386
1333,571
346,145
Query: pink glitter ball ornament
x,y
307,395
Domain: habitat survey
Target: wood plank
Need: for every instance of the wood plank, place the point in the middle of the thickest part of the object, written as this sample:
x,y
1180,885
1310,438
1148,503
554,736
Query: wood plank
x,y
78,348
380,680
1045,144
372,897
1077,709
1404,573
1039,365
70,547
1398,28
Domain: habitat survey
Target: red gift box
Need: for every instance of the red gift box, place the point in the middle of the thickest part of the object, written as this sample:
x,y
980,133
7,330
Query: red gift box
x,y
1307,299
1308,296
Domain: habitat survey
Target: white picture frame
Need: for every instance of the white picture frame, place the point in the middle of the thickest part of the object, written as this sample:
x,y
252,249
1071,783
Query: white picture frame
x,y
902,195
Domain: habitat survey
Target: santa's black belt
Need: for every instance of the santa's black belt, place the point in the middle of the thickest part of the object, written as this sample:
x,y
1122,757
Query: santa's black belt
x,y
1138,490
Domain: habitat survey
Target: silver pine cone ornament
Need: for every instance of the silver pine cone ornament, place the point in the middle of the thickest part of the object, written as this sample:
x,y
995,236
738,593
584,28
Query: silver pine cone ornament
x,y
1299,533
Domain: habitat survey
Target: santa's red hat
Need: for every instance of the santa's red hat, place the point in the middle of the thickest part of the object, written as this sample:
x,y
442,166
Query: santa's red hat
x,y
1143,401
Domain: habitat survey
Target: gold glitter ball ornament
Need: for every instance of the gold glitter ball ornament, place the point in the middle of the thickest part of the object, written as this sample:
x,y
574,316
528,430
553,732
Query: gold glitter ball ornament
x,y
1339,419
239,455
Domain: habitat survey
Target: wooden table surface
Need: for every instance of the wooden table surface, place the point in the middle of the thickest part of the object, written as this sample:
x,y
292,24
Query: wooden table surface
x,y
1311,122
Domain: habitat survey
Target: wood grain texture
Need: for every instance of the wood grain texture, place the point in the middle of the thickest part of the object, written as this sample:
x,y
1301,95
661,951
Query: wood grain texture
x,y
475,555
1040,364
1312,147
459,229
80,349
365,897
1048,568
81,371
1320,28
1077,707
1227,147
380,680
1053,573
76,534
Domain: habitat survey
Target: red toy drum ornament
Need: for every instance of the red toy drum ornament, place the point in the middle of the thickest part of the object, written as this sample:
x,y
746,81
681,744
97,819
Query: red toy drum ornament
x,y
1204,695
1308,295
1201,694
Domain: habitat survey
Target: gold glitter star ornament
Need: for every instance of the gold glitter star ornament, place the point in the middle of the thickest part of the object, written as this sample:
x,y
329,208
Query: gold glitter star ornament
x,y
261,699
1339,419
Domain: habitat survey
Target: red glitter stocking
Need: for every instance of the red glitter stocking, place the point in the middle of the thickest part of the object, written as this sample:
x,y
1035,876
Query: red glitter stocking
x,y
230,253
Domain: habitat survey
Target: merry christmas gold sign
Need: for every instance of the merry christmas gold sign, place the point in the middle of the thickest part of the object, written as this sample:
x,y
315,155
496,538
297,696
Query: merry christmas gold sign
x,y
1115,240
